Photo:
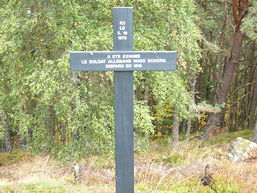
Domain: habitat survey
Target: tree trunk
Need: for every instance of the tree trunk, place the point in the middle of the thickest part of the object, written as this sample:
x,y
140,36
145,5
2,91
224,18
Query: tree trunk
x,y
7,136
183,127
189,124
251,89
7,140
175,131
239,11
229,74
252,120
255,133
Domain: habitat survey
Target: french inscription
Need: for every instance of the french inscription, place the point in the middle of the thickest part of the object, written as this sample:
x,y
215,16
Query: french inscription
x,y
124,61
127,60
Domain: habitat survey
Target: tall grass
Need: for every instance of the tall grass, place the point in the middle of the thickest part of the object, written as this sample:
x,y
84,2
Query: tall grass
x,y
161,170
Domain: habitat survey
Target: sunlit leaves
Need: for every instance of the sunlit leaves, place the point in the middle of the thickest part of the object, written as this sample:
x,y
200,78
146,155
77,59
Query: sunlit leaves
x,y
250,22
74,111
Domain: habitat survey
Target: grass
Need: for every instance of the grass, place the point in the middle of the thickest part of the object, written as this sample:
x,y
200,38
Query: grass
x,y
161,170
230,136
191,185
52,187
13,158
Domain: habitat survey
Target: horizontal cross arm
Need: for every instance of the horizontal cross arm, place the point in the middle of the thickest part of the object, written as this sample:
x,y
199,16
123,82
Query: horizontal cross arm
x,y
123,61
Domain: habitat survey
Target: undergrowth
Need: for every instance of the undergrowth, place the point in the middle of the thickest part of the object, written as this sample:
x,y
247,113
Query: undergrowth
x,y
221,184
161,170
230,136
14,157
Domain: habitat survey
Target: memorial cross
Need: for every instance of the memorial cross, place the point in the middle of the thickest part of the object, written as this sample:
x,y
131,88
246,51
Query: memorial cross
x,y
123,61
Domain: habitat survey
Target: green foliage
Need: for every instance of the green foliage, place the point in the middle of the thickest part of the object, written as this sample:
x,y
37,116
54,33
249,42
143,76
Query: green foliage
x,y
250,22
47,98
71,114
143,127
205,107
173,23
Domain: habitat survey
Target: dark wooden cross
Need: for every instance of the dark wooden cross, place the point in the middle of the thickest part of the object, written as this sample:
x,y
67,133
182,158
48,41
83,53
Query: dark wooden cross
x,y
123,61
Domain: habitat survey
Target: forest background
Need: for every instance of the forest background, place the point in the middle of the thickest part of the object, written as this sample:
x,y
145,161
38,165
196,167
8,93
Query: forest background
x,y
46,108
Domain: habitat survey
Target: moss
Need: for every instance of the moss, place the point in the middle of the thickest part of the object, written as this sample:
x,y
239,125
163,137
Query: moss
x,y
245,145
230,136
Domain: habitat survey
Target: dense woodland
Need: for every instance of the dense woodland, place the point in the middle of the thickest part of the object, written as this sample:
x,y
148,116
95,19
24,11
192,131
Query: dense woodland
x,y
46,108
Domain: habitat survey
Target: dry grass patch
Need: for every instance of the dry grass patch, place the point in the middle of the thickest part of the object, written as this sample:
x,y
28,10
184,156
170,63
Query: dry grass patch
x,y
159,171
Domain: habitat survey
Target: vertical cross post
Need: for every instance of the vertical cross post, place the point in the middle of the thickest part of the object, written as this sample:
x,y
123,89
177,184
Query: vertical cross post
x,y
123,88
123,61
